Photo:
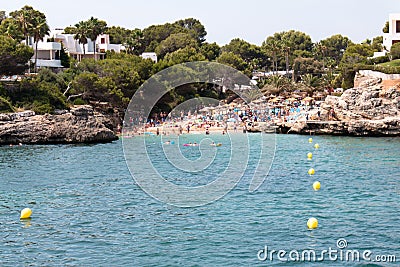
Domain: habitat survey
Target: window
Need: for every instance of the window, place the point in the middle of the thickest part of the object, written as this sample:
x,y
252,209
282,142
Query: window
x,y
397,26
103,40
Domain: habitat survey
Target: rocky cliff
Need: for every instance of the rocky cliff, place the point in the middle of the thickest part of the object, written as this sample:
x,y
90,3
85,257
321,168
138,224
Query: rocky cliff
x,y
368,110
80,125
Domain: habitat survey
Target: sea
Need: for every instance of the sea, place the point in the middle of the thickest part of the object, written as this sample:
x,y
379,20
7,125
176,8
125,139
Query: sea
x,y
159,201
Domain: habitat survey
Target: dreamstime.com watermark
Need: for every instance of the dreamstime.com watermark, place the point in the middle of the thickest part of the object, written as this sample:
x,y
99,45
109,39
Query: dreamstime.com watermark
x,y
338,253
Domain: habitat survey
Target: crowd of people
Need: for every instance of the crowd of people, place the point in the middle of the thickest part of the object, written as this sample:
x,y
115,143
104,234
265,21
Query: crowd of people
x,y
226,117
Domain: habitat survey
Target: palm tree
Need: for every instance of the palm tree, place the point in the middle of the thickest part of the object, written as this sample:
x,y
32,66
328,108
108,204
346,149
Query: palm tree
x,y
275,47
39,29
286,50
310,83
82,29
24,18
133,41
321,49
276,85
96,27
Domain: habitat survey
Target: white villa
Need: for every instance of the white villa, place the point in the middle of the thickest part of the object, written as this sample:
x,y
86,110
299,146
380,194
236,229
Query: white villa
x,y
393,36
80,51
48,53
49,49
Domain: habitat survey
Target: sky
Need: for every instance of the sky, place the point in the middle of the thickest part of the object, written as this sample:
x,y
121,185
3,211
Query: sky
x,y
251,20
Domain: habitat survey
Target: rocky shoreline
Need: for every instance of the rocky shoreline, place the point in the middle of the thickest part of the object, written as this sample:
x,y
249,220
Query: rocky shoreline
x,y
371,109
79,125
368,110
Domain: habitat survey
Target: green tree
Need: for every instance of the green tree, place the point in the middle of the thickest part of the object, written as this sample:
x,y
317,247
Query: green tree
x,y
321,52
253,55
273,47
395,51
133,42
2,16
38,29
287,43
13,56
377,43
131,39
302,66
81,33
5,106
286,49
355,54
38,94
276,85
186,54
193,27
174,42
363,50
117,34
96,27
310,84
385,28
10,27
232,60
24,17
64,57
70,30
210,50
153,35
335,46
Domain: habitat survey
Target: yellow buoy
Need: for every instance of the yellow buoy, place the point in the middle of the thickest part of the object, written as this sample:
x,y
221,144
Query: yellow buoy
x,y
312,223
309,155
316,185
310,140
26,213
311,171
316,146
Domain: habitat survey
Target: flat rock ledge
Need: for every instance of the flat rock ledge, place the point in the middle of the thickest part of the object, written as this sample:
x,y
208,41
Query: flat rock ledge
x,y
80,125
374,128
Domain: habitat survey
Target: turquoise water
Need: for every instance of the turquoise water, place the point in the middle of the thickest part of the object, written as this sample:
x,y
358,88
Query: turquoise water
x,y
88,211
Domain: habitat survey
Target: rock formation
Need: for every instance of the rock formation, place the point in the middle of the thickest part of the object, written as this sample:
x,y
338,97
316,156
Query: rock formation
x,y
368,110
80,125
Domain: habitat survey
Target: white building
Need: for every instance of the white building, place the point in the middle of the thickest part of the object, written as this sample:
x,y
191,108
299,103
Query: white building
x,y
48,53
80,51
394,31
151,55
